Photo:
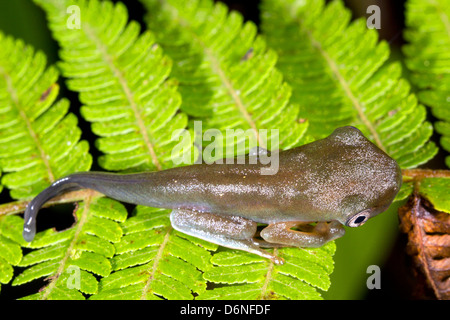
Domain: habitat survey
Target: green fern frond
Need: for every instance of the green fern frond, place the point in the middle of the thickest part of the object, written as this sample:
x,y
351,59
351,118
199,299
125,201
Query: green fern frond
x,y
251,277
121,76
153,261
39,140
70,258
340,75
226,73
428,59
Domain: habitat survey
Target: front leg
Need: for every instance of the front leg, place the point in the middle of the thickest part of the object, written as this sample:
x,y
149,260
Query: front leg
x,y
228,231
307,236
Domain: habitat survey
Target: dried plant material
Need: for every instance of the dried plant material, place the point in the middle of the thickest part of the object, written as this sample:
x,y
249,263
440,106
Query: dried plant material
x,y
428,243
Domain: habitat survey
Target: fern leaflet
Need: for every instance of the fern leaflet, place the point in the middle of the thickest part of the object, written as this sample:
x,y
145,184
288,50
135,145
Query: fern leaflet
x,y
427,57
39,139
36,138
121,76
255,278
70,257
10,255
153,261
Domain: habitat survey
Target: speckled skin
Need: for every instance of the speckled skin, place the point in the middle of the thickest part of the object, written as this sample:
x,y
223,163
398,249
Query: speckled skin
x,y
334,179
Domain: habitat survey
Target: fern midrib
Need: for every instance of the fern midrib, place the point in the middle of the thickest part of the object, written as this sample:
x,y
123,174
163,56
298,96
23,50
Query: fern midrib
x,y
155,264
128,93
143,130
217,69
268,276
215,66
63,262
14,98
348,92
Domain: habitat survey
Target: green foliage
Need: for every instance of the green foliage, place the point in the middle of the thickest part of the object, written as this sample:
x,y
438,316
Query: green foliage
x,y
121,76
340,75
39,141
10,255
252,277
427,57
226,72
436,191
153,261
70,258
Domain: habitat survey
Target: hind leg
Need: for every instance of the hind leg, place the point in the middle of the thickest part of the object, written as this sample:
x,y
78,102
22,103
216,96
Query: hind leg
x,y
308,236
228,231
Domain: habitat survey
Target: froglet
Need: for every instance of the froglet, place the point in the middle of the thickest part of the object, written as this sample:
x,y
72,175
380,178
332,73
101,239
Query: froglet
x,y
343,179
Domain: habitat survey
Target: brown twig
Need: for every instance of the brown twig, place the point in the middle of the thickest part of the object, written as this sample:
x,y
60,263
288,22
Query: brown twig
x,y
19,206
425,173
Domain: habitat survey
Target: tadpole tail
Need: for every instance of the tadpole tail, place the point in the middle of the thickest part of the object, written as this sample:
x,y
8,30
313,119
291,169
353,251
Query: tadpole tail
x,y
58,187
120,187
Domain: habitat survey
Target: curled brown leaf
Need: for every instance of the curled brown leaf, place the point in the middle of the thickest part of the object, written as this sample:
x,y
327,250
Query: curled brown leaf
x,y
428,233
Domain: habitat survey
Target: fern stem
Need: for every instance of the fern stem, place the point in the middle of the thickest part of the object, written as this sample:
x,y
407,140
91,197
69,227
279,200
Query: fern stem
x,y
419,174
268,276
26,120
74,196
233,93
156,262
129,95
87,201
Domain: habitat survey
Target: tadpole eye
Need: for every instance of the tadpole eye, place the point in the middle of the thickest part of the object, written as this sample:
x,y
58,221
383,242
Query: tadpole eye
x,y
358,219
